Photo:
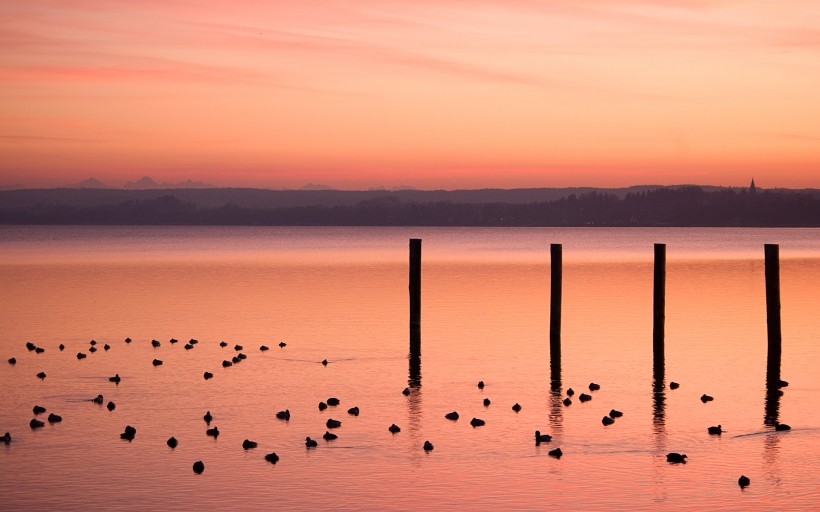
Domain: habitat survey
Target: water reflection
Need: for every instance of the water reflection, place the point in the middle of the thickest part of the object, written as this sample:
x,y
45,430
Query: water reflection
x,y
773,384
658,392
556,414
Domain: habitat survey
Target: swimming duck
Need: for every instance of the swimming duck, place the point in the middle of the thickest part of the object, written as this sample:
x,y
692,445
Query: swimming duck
x,y
715,431
676,458
111,406
322,406
311,443
30,346
324,362
6,438
557,453
226,363
481,384
39,350
37,409
263,348
208,375
567,402
541,438
282,344
486,402
188,346
115,379
428,446
333,401
212,432
41,375
451,416
62,347
208,418
743,481
238,347
54,418
81,355
155,343
199,467
331,423
105,347
780,427
706,398
329,436
156,362
283,415
353,411
477,422
223,344
98,399
606,420
128,340
614,413
173,340
172,442
92,349
272,458
594,387
12,360
674,385
570,391
394,428
129,433
405,391
584,397
516,407
34,423
92,342
247,444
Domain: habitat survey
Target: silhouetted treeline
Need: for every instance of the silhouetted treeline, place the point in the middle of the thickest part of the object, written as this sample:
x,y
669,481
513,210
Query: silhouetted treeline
x,y
683,206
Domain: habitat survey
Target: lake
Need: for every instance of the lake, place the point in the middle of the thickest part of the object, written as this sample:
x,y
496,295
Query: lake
x,y
341,295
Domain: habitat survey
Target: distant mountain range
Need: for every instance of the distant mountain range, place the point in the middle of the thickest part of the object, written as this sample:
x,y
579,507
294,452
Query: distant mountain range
x,y
144,183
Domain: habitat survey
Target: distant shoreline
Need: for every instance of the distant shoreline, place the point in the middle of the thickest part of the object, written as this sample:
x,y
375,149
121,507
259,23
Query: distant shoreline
x,y
640,206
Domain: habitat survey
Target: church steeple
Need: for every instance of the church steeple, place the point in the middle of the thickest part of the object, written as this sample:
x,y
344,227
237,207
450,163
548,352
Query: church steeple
x,y
752,189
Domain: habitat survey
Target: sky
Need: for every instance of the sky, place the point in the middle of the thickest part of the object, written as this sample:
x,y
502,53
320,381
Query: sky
x,y
432,94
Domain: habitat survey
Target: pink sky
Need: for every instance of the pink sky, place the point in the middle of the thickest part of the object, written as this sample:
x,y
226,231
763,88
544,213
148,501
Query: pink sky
x,y
430,94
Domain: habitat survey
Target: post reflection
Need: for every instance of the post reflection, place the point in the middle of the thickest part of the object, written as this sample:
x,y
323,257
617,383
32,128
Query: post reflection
x,y
773,385
556,414
658,393
414,373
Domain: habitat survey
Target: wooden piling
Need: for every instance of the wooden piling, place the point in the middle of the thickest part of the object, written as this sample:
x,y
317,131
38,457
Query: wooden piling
x,y
772,270
659,303
555,314
415,297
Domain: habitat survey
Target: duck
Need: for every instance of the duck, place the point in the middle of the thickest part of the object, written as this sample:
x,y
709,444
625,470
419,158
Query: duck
x,y
188,346
30,346
155,343
743,481
106,347
481,384
223,344
486,402
92,342
614,413
38,409
12,361
156,362
282,344
567,402
264,348
115,379
199,467
226,363
212,432
394,428
111,406
272,457
329,436
236,360
62,347
353,411
782,383
557,453
6,438
322,406
128,340
241,356
516,407
428,446
81,355
333,401
129,433
208,418
247,444
594,387
283,415
208,375
238,348
405,391
41,375
477,422
781,427
715,431
35,423
331,423
193,341
453,416
676,458
570,391
674,385
98,399
173,340
606,420
706,398
324,362
54,418
311,443
584,397
541,438
39,350
92,349
172,442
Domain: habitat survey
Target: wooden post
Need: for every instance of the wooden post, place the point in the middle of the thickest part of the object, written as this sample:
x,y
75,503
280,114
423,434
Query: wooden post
x,y
415,297
555,314
772,255
659,303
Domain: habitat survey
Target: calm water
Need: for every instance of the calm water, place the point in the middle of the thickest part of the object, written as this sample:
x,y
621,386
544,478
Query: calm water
x,y
341,294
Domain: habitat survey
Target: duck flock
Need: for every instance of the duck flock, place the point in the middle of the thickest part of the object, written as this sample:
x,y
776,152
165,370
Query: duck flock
x,y
130,432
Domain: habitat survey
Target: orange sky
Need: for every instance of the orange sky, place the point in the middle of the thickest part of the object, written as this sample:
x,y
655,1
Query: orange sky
x,y
430,94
